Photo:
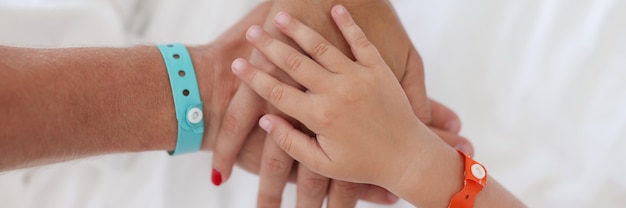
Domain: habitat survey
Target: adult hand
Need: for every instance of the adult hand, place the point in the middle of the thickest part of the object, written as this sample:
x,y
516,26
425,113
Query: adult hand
x,y
217,56
382,26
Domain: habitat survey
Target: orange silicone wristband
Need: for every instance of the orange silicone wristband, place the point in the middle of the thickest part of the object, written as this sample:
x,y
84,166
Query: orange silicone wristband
x,y
475,180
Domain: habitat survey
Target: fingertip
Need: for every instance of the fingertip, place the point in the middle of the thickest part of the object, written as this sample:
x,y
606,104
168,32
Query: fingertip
x,y
265,123
282,19
238,65
222,167
253,32
339,10
216,177
454,125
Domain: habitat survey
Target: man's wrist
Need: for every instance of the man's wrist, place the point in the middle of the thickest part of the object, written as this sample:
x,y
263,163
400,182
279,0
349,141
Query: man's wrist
x,y
203,64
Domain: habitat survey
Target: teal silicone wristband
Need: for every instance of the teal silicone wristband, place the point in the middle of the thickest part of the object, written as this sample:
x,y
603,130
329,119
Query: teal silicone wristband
x,y
186,98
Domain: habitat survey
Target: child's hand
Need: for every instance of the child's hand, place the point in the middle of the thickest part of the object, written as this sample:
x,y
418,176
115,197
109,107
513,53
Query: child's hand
x,y
364,122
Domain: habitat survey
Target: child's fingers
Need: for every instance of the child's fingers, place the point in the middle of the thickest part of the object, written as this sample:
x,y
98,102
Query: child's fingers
x,y
300,67
312,43
284,97
297,144
364,51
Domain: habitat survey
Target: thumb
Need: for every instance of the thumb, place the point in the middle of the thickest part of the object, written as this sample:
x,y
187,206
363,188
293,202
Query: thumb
x,y
297,144
414,87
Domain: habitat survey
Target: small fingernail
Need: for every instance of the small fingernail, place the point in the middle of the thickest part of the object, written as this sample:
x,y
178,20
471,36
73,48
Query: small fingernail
x,y
282,18
254,32
238,65
265,124
465,148
392,197
216,177
340,10
453,126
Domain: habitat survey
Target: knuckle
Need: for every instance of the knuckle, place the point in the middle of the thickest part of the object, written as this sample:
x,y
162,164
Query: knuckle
x,y
275,165
346,188
313,186
276,93
326,118
284,142
320,49
362,41
294,61
355,92
349,99
230,124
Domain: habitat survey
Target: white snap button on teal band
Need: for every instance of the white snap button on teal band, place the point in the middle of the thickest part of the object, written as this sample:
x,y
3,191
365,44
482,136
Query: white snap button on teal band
x,y
186,98
194,115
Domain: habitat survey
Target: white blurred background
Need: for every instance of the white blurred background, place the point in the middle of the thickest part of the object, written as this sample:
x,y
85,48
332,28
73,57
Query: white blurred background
x,y
540,87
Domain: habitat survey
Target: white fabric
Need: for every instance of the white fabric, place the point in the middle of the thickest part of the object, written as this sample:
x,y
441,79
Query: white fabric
x,y
538,84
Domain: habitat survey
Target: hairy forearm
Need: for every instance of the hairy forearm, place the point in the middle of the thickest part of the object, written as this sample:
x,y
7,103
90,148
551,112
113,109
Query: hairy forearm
x,y
60,104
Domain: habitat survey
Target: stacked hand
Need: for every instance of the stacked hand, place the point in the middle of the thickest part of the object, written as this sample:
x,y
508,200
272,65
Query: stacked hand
x,y
231,110
240,139
362,128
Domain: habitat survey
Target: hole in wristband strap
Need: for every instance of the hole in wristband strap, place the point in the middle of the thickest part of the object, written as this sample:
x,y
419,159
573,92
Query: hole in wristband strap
x,y
188,106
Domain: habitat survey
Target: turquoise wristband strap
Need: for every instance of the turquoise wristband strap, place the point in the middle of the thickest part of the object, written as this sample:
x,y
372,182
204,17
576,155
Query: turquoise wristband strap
x,y
186,98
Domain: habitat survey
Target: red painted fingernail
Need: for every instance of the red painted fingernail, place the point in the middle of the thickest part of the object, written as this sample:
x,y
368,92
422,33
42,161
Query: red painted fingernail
x,y
216,177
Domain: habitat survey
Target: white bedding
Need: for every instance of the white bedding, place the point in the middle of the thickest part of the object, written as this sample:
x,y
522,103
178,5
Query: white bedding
x,y
539,85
